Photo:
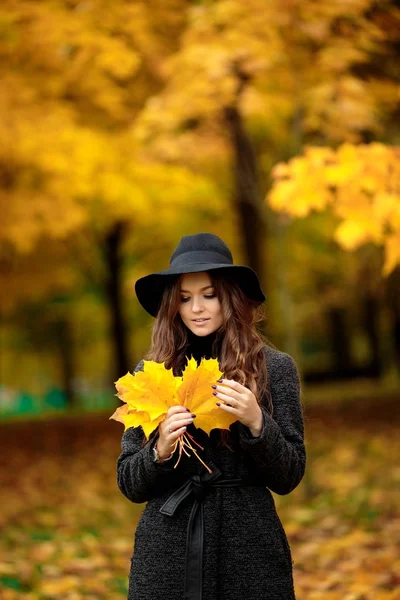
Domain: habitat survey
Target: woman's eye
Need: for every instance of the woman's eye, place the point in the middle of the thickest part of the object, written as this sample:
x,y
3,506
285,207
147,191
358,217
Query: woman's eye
x,y
208,296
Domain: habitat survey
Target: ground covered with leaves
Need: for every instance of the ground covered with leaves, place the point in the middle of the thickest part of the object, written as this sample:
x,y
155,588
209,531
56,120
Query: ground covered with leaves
x,y
67,531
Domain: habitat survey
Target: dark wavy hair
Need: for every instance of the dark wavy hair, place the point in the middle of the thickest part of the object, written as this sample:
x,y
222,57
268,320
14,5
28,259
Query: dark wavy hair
x,y
239,345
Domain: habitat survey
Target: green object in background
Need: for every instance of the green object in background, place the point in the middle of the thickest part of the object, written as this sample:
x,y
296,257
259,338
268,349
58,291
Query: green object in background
x,y
15,403
26,403
98,399
10,582
55,399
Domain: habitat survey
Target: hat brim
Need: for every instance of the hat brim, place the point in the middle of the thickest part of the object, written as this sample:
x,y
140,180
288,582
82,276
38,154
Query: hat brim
x,y
150,288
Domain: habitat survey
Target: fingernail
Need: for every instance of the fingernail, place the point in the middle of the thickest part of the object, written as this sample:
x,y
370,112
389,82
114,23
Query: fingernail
x,y
218,404
219,380
193,415
188,409
214,387
215,393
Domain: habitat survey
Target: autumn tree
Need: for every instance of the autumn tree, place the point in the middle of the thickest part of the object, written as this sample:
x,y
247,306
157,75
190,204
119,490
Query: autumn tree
x,y
74,78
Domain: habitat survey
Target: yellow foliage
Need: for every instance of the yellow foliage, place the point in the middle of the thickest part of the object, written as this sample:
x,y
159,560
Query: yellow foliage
x,y
154,390
150,393
361,184
72,84
294,60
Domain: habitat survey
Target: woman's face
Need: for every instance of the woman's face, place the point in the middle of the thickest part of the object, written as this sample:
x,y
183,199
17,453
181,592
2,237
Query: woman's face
x,y
199,308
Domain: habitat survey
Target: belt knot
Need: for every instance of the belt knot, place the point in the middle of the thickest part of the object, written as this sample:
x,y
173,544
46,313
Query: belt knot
x,y
200,488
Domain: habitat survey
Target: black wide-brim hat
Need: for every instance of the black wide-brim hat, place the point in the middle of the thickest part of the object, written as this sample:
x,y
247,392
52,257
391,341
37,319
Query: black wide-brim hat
x,y
196,253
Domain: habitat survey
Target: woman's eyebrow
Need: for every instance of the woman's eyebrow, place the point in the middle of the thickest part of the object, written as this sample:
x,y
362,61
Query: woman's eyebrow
x,y
201,289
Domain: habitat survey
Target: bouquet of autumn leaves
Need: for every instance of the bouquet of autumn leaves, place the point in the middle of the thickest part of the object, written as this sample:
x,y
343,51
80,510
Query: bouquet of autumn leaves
x,y
148,394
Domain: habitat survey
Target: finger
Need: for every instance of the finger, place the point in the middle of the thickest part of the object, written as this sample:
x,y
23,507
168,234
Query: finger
x,y
227,408
173,410
173,425
235,385
227,391
228,399
180,419
174,435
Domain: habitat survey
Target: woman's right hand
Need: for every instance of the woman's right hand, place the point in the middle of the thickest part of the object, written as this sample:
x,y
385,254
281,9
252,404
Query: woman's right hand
x,y
176,420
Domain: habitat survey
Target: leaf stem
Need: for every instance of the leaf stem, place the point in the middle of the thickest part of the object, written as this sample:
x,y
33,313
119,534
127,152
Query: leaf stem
x,y
193,440
183,441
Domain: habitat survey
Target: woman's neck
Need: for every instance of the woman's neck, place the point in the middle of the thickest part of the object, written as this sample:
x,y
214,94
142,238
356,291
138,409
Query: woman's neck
x,y
201,346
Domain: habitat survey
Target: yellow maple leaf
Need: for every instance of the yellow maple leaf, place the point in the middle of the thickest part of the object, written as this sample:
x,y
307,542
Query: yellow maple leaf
x,y
123,384
147,396
152,390
120,413
133,418
195,392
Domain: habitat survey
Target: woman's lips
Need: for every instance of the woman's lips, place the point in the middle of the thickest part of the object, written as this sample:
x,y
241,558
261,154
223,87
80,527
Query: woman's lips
x,y
200,321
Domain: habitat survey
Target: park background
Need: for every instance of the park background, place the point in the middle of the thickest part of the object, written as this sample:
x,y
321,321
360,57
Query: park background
x,y
125,126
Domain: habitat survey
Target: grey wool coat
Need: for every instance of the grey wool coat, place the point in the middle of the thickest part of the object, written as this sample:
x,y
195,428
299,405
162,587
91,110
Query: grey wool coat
x,y
245,551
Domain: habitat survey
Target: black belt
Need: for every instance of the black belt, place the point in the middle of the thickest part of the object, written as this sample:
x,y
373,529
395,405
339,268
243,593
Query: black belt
x,y
198,486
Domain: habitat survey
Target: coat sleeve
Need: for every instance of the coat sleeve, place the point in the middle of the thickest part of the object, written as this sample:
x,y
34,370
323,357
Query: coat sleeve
x,y
278,453
138,477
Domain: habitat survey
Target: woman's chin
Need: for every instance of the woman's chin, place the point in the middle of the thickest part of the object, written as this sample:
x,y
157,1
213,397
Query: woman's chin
x,y
202,329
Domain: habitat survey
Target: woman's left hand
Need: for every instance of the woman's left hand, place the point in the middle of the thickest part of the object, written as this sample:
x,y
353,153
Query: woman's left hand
x,y
241,402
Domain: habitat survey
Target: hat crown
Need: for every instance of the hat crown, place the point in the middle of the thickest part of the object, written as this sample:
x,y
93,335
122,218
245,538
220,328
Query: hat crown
x,y
202,245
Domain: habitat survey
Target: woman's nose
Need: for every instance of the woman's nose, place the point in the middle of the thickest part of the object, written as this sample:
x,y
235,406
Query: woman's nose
x,y
197,305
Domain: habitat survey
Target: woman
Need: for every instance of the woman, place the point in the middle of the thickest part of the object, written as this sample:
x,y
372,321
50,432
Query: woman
x,y
214,536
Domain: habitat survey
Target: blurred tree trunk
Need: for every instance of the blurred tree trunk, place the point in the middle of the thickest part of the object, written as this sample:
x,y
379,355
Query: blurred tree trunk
x,y
64,339
371,311
247,195
340,340
286,305
113,289
48,328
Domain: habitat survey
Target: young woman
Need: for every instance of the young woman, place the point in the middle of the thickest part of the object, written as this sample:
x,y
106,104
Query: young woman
x,y
214,536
